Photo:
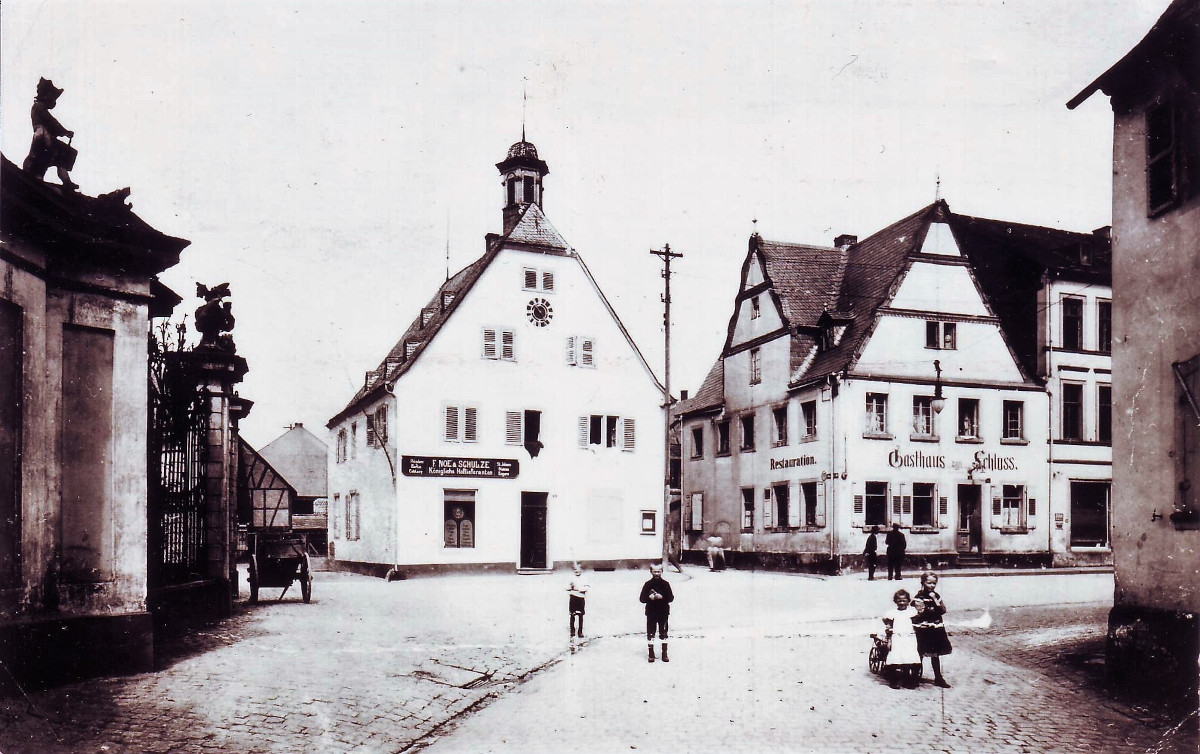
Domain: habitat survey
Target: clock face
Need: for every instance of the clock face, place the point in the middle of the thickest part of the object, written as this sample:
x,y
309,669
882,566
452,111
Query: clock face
x,y
539,312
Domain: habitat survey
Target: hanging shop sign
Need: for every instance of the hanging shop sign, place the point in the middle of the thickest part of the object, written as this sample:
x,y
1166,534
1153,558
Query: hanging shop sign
x,y
488,468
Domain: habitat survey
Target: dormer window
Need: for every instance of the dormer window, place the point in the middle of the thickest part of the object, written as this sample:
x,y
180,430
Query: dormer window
x,y
427,316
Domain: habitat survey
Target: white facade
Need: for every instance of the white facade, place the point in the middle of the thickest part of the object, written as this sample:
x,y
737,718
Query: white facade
x,y
529,347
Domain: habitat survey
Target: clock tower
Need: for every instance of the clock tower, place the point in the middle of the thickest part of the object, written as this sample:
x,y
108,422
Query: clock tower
x,y
522,174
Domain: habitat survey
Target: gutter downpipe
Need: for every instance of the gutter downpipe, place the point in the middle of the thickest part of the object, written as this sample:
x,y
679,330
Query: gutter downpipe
x,y
831,509
1049,425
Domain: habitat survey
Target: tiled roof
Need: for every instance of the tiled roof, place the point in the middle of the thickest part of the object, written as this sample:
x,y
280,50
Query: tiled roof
x,y
711,393
534,229
805,277
300,457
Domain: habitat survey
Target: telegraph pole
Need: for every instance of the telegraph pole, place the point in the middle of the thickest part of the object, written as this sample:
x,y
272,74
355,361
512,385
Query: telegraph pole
x,y
667,255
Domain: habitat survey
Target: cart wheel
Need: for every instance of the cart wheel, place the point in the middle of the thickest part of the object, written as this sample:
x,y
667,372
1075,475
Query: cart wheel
x,y
305,580
876,660
253,579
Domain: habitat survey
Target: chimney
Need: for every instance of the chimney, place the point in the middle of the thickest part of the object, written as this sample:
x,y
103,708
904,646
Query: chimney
x,y
683,395
845,241
298,425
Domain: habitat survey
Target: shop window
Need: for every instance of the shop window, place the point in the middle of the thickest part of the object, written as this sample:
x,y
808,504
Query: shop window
x,y
876,414
747,433
748,509
461,424
877,504
1104,326
499,344
723,437
1072,411
779,414
923,499
459,518
1072,323
808,410
968,418
941,335
1014,420
1104,414
697,442
922,425
755,366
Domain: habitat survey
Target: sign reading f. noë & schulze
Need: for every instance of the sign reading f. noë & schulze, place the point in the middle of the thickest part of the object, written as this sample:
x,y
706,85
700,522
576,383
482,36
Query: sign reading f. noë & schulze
x,y
490,468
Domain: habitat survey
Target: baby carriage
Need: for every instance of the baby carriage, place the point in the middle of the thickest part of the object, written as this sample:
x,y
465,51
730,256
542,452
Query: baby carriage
x,y
879,653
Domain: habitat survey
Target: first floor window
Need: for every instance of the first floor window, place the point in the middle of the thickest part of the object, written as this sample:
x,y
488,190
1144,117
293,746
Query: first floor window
x,y
599,430
877,504
1013,420
1104,326
876,414
748,432
723,437
808,410
755,366
461,423
1072,323
968,418
499,344
748,509
581,351
923,502
1104,414
1072,411
923,415
697,442
779,414
524,428
342,444
459,518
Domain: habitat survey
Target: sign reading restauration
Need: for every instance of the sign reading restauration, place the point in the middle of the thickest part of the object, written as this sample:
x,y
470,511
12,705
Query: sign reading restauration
x,y
490,468
787,463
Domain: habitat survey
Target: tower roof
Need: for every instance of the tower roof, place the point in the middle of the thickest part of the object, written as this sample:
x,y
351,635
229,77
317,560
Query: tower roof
x,y
523,154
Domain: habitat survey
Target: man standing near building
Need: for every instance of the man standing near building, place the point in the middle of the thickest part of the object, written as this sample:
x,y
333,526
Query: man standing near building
x,y
896,545
871,551
656,596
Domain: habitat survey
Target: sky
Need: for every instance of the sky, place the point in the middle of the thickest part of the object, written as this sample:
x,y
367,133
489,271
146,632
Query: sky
x,y
325,157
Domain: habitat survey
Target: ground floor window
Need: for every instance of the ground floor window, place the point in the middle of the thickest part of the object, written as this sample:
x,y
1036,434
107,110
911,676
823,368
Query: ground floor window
x,y
1011,506
695,516
785,514
352,515
459,518
923,511
877,503
748,509
1089,514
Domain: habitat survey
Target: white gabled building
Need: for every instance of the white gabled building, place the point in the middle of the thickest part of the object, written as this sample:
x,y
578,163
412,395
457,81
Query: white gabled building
x,y
514,424
821,418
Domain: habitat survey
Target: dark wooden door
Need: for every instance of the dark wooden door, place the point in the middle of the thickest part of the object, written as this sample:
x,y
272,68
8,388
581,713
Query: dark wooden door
x,y
970,519
533,530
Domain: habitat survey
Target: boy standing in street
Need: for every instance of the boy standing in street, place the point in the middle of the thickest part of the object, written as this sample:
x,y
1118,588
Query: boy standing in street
x,y
656,596
577,590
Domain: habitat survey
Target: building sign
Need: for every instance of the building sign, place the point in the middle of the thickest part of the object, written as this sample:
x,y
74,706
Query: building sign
x,y
490,468
982,461
787,463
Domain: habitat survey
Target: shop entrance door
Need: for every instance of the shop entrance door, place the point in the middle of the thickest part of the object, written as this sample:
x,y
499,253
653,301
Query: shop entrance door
x,y
970,520
1089,514
533,529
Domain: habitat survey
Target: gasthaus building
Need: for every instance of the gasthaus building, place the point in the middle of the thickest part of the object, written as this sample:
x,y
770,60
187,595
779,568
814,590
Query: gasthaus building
x,y
874,383
515,424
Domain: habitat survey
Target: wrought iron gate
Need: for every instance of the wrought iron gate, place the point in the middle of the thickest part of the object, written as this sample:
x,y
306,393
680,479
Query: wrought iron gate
x,y
176,465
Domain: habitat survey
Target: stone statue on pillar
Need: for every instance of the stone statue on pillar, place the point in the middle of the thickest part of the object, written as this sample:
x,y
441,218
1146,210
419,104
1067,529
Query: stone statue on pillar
x,y
214,319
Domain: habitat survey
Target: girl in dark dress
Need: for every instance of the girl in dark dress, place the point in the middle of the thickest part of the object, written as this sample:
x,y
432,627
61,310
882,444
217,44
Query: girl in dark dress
x,y
932,641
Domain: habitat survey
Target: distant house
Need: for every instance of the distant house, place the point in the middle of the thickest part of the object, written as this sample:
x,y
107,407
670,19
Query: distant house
x,y
1154,631
302,459
515,424
902,380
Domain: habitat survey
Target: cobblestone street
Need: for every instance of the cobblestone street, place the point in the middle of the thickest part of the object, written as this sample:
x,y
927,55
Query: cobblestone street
x,y
759,662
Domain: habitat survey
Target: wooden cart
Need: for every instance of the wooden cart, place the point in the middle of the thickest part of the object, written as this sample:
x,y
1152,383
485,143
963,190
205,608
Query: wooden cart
x,y
278,554
277,559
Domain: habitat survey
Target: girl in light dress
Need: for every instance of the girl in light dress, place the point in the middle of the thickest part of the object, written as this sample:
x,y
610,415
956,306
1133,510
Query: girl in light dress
x,y
903,659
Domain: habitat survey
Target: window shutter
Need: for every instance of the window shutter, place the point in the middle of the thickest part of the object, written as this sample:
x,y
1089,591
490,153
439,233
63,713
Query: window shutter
x,y
512,427
943,512
583,431
531,278
587,356
489,344
451,423
381,426
508,343
697,521
858,516
629,434
906,504
821,503
768,509
547,281
370,431
470,426
1031,515
571,357
794,504
997,511
896,507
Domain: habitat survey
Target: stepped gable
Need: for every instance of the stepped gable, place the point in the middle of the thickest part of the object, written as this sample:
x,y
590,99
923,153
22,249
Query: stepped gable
x,y
804,277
